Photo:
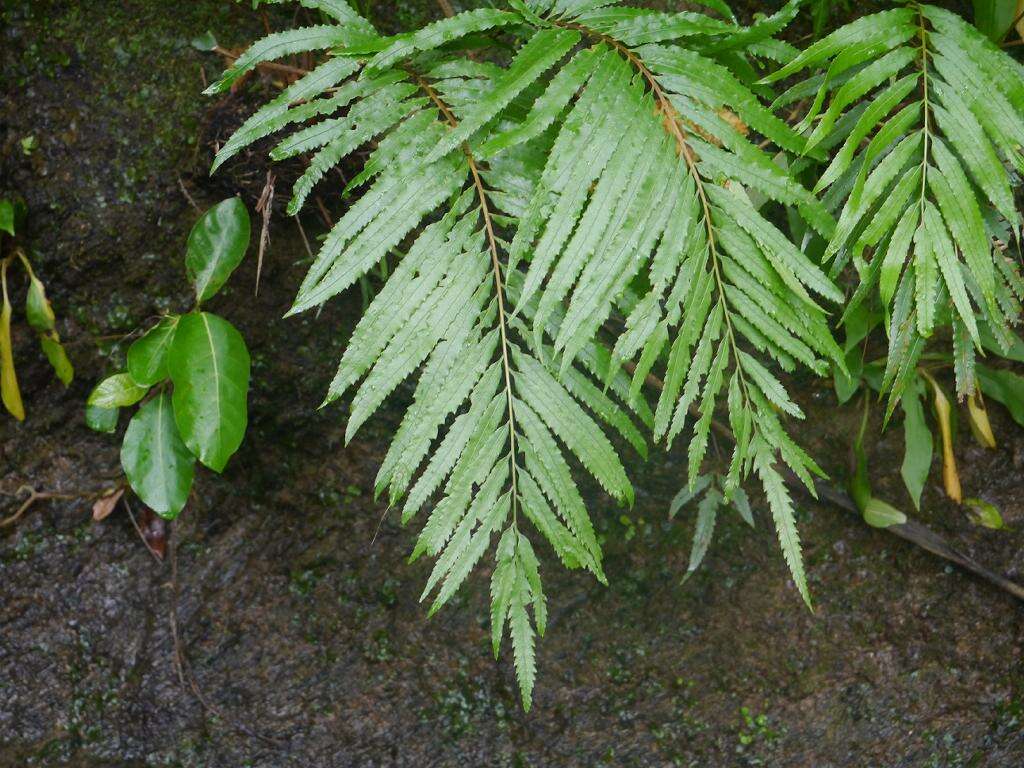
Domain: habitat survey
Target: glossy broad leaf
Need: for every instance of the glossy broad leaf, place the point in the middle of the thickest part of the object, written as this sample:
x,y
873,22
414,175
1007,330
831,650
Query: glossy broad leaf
x,y
158,465
101,419
117,391
209,366
147,356
216,245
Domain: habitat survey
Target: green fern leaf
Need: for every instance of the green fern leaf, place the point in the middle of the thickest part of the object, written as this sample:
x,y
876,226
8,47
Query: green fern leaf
x,y
539,54
278,45
522,637
781,506
929,175
339,10
565,418
704,530
619,158
440,33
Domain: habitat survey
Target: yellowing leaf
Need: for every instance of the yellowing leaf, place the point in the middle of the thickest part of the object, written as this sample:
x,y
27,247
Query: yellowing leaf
x,y
984,514
38,311
9,392
944,411
58,358
980,425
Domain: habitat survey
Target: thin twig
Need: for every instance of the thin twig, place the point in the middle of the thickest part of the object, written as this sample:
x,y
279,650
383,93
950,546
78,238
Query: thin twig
x,y
185,674
184,191
305,240
1013,25
264,206
324,214
267,65
446,8
33,497
138,530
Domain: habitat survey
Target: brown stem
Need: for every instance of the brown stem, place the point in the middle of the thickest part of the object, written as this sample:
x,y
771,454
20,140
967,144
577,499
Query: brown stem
x,y
271,66
186,676
671,123
492,243
33,497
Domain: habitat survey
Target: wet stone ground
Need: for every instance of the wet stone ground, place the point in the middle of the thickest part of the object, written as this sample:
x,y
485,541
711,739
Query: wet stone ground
x,y
296,611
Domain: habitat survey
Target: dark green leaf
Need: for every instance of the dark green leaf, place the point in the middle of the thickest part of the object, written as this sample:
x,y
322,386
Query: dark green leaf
x,y
216,246
1004,386
117,391
101,419
209,365
158,465
995,17
147,357
7,217
917,453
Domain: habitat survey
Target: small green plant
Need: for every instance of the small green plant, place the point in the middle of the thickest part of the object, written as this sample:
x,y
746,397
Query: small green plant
x,y
38,312
191,373
755,729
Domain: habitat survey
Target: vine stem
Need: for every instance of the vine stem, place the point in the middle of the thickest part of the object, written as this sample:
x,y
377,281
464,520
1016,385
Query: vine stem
x,y
33,497
924,96
492,242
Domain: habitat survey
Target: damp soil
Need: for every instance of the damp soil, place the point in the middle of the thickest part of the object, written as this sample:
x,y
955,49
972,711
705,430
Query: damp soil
x,y
296,610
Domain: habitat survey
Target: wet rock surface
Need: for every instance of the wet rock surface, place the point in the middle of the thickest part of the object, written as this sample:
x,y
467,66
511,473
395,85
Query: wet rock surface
x,y
297,615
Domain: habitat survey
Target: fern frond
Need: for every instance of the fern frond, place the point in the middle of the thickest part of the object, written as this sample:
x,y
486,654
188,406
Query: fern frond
x,y
646,180
609,170
493,429
942,107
